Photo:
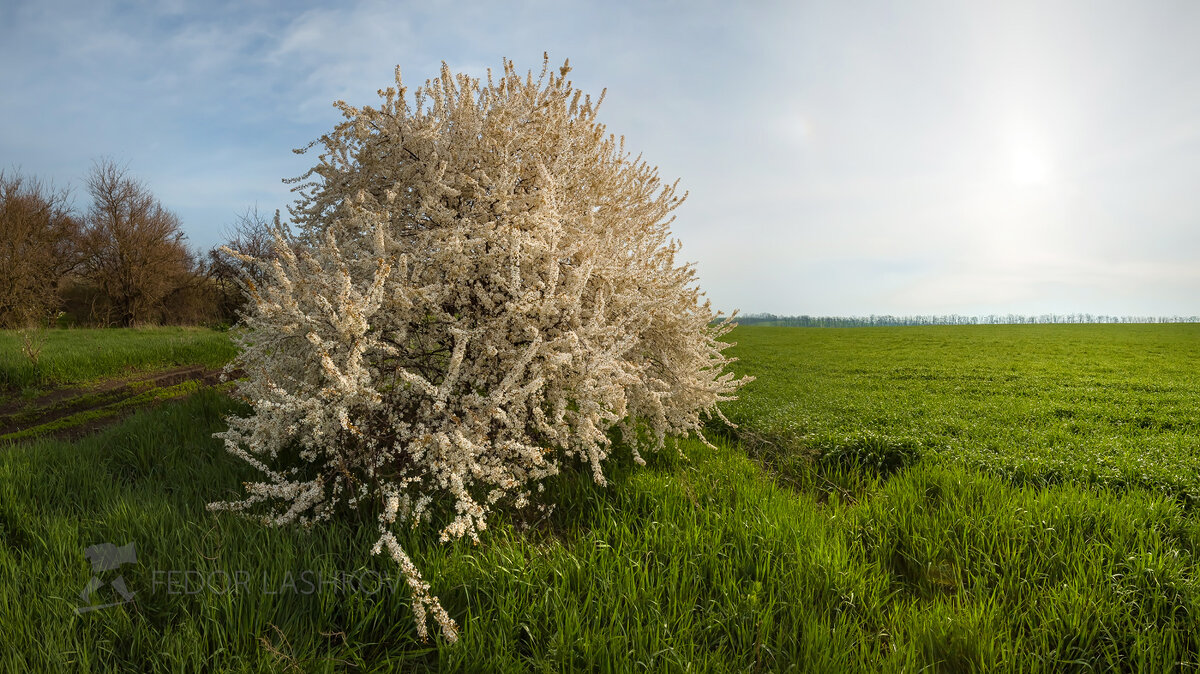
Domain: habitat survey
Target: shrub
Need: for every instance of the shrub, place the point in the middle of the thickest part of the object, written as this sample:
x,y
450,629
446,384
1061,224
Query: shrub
x,y
481,289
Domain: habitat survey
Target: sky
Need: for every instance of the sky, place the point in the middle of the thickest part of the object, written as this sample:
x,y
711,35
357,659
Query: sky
x,y
841,158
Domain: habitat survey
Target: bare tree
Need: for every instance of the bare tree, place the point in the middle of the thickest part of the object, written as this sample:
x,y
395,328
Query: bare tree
x,y
134,247
39,247
251,235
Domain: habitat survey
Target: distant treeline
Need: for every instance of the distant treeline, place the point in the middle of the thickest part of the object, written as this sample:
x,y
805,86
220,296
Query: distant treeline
x,y
121,261
951,319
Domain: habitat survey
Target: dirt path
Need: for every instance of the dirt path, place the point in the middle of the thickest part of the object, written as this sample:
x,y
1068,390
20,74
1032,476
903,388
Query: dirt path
x,y
73,412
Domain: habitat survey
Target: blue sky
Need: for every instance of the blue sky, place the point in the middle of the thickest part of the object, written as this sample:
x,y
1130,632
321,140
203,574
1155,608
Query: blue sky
x,y
841,158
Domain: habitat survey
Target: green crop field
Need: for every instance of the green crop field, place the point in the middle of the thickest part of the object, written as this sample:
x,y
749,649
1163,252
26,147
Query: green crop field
x,y
79,355
1110,405
975,498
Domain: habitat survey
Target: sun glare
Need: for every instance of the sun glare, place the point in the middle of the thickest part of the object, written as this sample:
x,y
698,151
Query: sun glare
x,y
1029,167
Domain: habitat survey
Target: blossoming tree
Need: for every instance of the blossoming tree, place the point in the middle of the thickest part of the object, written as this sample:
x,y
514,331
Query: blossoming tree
x,y
481,289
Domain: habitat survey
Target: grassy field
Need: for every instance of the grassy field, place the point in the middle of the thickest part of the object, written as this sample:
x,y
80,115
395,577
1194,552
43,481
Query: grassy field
x,y
993,498
72,356
1109,405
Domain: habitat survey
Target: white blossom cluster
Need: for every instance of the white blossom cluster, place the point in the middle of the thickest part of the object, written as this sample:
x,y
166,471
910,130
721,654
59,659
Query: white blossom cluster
x,y
481,288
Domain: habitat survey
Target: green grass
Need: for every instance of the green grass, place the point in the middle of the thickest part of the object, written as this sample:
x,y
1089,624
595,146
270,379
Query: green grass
x,y
71,356
876,537
148,397
1111,405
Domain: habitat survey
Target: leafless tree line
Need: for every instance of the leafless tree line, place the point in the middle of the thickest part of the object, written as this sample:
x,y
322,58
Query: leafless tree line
x,y
122,261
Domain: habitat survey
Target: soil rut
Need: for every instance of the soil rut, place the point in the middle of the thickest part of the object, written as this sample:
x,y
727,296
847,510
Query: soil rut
x,y
76,411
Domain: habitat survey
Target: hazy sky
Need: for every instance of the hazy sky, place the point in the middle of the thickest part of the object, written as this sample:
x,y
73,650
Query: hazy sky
x,y
842,157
